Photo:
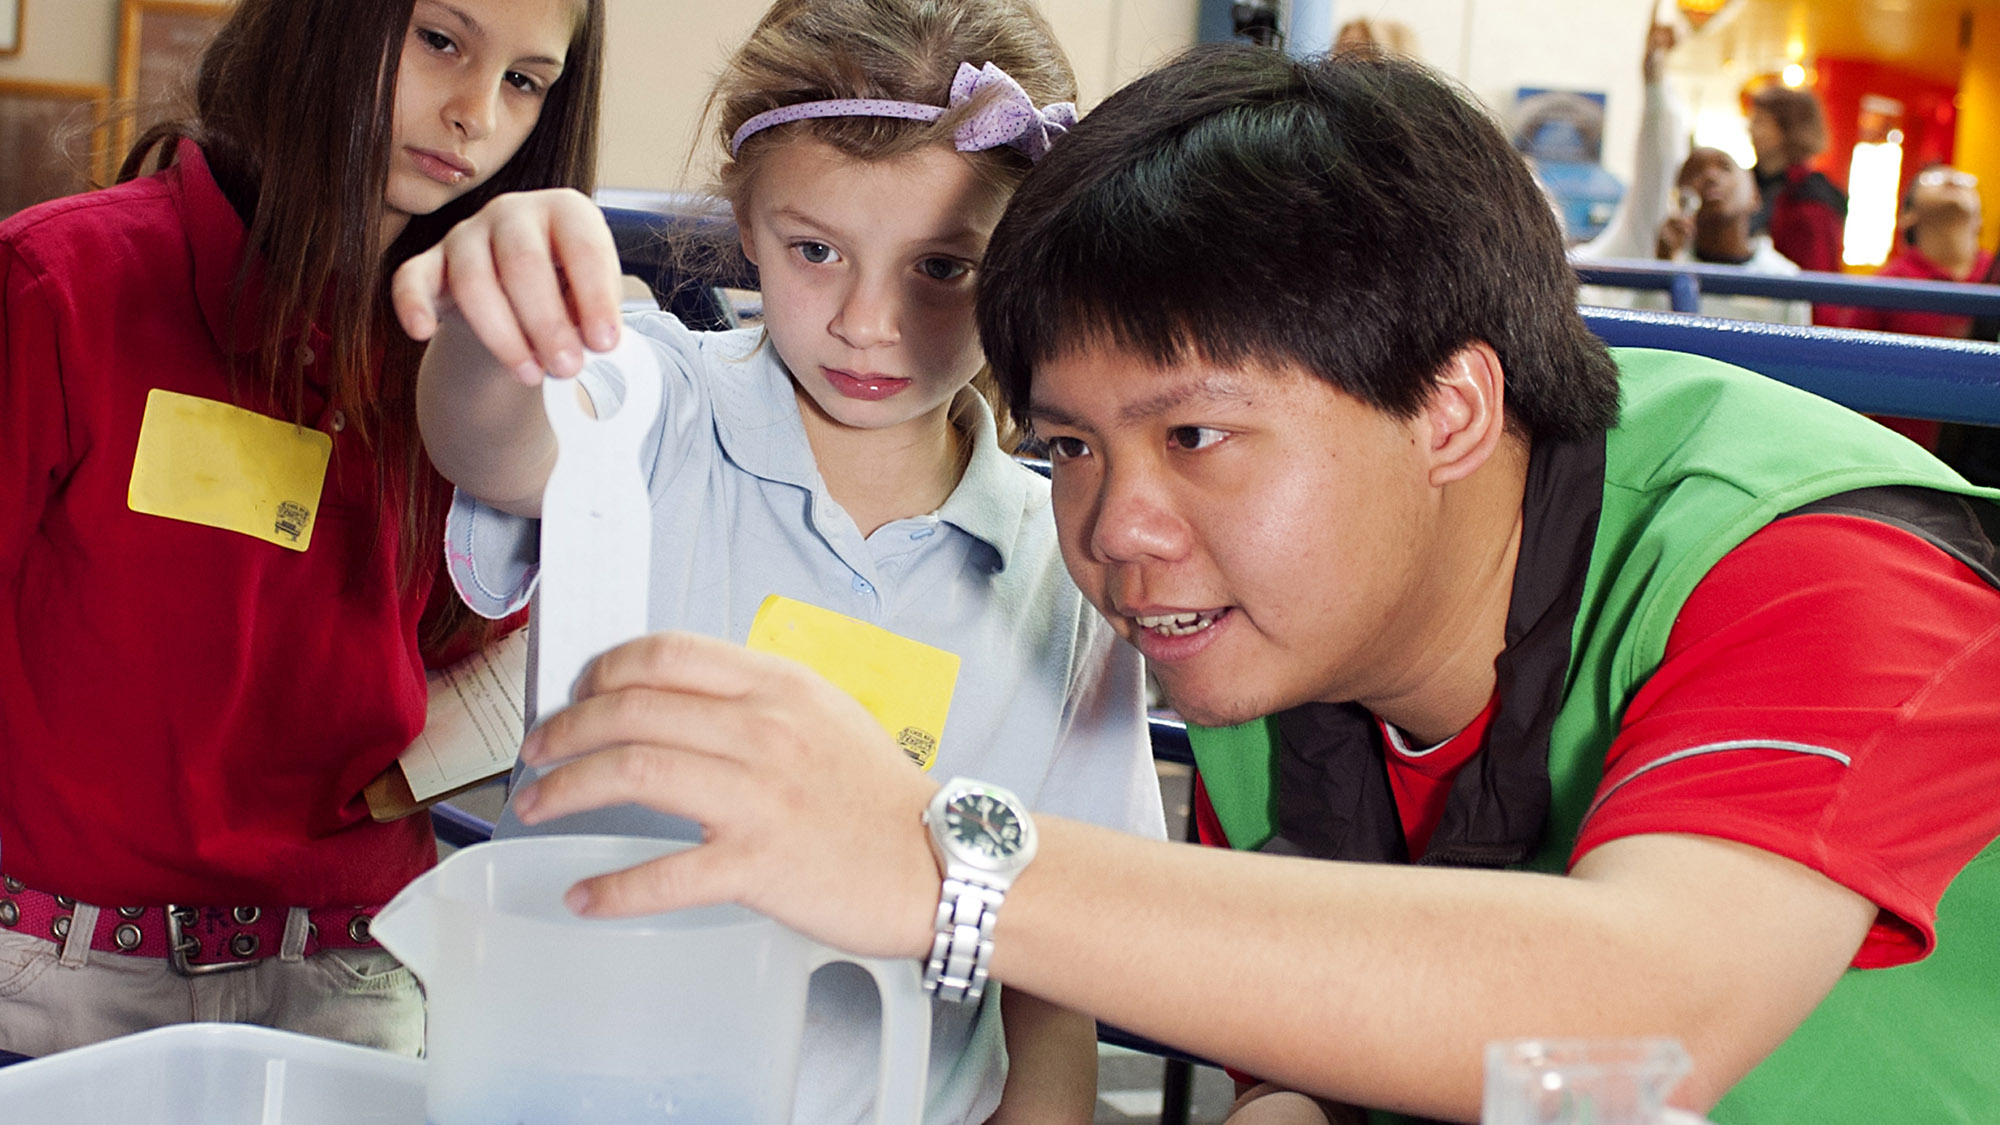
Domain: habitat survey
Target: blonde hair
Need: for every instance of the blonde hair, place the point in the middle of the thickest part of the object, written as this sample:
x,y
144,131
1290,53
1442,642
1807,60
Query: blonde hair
x,y
896,50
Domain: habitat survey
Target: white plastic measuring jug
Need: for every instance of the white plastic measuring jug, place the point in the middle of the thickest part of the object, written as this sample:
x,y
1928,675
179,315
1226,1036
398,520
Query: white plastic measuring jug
x,y
539,1016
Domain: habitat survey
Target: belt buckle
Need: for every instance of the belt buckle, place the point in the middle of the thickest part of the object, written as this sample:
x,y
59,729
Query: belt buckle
x,y
181,946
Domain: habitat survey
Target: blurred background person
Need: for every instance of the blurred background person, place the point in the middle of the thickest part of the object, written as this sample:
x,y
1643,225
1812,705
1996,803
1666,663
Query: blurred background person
x,y
1718,200
1685,207
1802,210
1387,36
1940,226
1649,200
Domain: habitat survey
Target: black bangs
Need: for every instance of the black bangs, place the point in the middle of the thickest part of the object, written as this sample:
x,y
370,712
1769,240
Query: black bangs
x,y
1356,218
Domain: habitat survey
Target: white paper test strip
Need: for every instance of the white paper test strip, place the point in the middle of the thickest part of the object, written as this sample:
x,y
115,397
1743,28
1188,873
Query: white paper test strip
x,y
596,522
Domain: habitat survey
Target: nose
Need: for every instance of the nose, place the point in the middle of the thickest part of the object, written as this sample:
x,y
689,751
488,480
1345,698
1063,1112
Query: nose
x,y
870,314
474,107
1135,519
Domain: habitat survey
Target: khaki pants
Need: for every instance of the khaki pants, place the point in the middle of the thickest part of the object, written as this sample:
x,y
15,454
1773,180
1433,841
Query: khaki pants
x,y
59,995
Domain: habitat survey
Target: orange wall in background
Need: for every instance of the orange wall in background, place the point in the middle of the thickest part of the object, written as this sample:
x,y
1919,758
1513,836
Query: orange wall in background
x,y
1979,116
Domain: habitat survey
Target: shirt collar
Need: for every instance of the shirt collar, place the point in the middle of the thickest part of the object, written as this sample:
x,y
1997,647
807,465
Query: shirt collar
x,y
756,415
216,241
758,424
217,244
992,499
1920,264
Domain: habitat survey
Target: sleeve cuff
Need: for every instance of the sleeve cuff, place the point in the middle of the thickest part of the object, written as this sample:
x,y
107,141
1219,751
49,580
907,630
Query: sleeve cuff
x,y
493,557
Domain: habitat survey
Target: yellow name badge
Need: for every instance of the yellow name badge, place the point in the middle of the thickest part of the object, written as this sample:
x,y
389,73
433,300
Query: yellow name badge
x,y
207,462
905,684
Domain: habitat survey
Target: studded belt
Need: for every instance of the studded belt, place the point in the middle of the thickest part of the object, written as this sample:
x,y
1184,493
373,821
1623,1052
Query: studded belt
x,y
193,939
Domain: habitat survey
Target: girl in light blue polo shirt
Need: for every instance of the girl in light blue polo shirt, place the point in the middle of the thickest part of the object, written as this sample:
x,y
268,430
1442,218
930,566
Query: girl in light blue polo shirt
x,y
844,454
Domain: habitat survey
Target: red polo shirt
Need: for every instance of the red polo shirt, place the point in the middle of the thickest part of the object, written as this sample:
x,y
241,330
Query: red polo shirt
x,y
1909,262
187,714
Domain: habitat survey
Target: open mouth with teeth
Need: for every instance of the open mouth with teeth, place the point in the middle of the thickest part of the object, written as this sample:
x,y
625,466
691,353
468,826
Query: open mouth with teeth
x,y
1178,624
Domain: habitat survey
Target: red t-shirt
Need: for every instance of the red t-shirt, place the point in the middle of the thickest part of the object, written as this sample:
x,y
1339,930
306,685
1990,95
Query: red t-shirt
x,y
1830,693
1421,777
187,714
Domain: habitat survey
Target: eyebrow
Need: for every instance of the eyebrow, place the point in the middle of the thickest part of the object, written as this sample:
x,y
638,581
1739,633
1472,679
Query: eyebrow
x,y
474,28
1215,389
472,25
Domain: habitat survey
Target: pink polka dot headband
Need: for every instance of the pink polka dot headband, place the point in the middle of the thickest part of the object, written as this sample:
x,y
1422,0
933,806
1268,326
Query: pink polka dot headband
x,y
1007,117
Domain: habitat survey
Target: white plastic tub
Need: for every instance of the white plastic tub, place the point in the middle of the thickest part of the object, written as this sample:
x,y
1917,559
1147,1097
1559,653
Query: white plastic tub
x,y
216,1074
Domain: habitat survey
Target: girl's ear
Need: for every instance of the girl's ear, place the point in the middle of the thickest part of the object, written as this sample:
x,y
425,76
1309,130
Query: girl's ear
x,y
1465,417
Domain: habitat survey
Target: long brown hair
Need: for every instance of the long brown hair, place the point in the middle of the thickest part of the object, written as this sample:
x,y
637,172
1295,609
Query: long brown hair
x,y
900,50
1799,119
294,108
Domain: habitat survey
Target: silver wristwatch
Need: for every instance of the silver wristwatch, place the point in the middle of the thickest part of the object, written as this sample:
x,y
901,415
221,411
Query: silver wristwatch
x,y
983,837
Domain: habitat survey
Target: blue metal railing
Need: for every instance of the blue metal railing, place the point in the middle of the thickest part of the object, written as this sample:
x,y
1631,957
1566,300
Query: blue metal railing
x,y
1685,282
1170,740
1873,372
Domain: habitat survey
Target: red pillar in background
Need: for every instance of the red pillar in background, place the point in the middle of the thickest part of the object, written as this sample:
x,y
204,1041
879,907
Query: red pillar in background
x,y
1929,118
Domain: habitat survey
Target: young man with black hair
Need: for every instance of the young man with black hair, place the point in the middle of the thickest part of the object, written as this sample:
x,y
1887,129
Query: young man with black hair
x,y
1565,693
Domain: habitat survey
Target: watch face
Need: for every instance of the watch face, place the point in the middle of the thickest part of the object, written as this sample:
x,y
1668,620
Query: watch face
x,y
983,826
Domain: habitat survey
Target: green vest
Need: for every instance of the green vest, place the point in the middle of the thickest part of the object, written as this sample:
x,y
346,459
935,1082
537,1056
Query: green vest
x,y
1704,455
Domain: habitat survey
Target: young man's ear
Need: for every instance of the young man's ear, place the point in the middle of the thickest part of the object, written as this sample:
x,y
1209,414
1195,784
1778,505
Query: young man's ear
x,y
1465,418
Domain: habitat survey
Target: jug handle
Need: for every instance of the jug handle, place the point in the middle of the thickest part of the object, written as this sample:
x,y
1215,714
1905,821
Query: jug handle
x,y
903,1078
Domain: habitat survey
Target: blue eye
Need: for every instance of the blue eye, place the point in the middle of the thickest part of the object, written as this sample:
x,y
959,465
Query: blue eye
x,y
818,253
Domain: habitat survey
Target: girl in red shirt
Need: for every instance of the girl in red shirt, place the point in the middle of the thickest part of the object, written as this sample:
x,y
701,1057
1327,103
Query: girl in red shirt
x,y
218,538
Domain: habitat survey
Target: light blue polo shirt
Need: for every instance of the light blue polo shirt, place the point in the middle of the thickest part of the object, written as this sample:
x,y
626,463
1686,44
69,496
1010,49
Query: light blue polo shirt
x,y
1048,702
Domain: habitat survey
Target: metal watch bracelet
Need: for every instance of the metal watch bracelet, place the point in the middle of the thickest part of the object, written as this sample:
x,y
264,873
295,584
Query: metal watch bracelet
x,y
963,947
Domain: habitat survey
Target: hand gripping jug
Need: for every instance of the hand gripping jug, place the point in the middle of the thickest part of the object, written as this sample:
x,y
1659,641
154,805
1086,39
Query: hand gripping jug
x,y
541,1017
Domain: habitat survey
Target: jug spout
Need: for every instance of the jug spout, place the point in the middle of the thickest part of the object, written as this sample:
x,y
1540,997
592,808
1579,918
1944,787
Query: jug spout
x,y
407,927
